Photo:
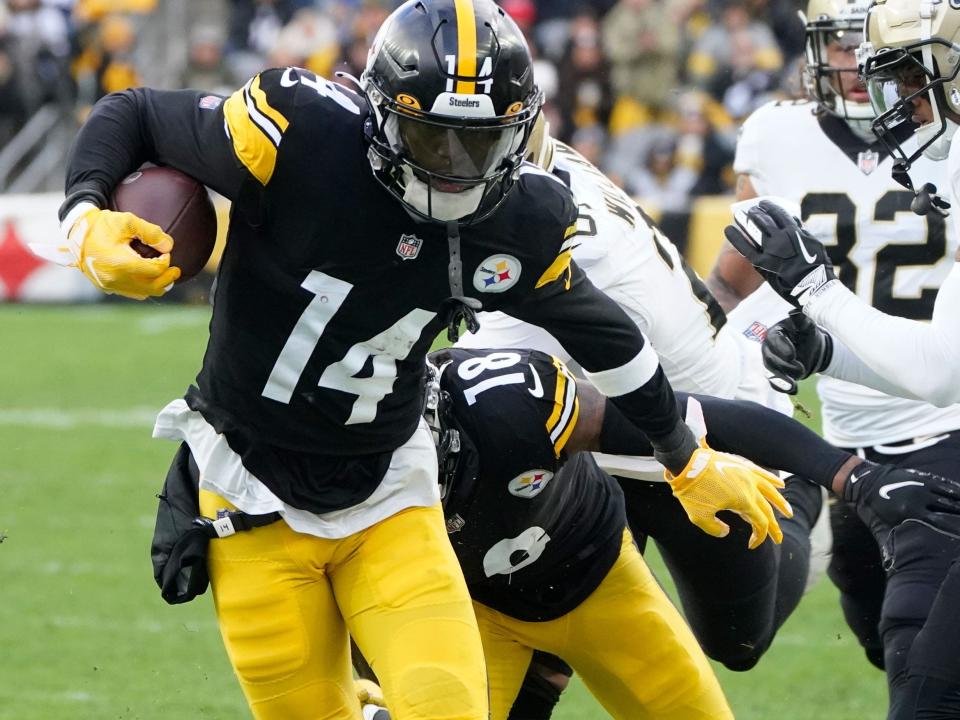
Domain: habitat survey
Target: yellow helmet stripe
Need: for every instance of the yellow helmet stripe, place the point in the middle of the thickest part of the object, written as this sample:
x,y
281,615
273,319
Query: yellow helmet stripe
x,y
466,45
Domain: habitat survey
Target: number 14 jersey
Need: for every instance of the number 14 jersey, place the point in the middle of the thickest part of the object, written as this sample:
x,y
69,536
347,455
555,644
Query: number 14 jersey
x,y
882,251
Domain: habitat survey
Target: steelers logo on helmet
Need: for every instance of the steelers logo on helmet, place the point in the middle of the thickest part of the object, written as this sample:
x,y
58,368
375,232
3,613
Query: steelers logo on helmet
x,y
454,153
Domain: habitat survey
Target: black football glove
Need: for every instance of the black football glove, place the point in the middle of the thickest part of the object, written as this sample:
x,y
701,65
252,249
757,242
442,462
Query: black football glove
x,y
886,496
793,350
789,258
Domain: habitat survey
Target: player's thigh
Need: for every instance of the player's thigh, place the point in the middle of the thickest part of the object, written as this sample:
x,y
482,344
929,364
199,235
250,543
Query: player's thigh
x,y
279,621
727,592
406,604
507,658
635,652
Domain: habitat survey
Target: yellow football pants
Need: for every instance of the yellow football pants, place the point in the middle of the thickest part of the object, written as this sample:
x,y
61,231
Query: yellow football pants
x,y
285,602
627,642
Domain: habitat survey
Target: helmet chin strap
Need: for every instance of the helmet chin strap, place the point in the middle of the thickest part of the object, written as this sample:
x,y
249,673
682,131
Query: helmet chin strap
x,y
939,148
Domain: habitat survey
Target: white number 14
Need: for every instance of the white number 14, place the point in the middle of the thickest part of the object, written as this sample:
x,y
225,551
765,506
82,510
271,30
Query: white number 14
x,y
385,349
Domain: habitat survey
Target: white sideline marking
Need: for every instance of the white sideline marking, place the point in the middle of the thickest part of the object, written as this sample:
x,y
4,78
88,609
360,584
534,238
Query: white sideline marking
x,y
60,418
156,324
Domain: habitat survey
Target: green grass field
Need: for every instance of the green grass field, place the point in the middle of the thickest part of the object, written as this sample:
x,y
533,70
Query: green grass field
x,y
83,631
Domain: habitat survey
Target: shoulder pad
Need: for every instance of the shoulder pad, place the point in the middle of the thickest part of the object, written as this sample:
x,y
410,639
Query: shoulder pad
x,y
258,114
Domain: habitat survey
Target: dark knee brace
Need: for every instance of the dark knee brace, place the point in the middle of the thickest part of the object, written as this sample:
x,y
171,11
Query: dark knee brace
x,y
857,570
538,696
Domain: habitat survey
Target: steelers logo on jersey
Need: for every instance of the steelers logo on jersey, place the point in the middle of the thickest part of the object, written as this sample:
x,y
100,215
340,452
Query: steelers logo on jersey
x,y
496,274
529,484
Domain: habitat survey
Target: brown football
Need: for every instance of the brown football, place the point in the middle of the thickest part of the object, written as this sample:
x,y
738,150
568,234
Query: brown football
x,y
178,204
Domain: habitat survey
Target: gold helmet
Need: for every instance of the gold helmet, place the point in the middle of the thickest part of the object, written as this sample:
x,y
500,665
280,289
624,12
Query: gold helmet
x,y
911,49
828,22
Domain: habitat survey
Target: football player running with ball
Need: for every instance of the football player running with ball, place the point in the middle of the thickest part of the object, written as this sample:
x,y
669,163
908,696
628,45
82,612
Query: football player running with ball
x,y
909,60
362,225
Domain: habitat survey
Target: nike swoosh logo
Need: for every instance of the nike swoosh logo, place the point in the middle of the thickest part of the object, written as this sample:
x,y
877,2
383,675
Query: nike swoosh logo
x,y
285,80
93,272
803,249
537,389
720,465
854,478
887,489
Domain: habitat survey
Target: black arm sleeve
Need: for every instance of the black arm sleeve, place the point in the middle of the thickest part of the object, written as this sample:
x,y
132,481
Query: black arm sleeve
x,y
760,434
165,127
600,336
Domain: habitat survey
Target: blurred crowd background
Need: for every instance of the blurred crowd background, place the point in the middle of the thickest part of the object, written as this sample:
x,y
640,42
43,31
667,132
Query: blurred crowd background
x,y
652,91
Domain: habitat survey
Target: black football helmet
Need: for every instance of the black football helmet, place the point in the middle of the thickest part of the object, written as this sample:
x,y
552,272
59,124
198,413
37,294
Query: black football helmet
x,y
453,100
457,457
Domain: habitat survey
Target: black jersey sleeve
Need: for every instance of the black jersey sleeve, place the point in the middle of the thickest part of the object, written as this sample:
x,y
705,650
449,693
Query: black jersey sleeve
x,y
765,436
609,346
221,142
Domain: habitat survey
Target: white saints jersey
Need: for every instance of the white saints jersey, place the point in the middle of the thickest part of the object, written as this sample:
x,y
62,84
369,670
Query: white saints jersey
x,y
882,251
625,255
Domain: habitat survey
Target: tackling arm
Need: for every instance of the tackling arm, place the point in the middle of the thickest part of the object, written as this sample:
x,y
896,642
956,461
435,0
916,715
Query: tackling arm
x,y
895,355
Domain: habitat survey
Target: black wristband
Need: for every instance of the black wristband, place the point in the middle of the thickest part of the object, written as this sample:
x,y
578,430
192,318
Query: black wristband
x,y
80,194
827,355
673,451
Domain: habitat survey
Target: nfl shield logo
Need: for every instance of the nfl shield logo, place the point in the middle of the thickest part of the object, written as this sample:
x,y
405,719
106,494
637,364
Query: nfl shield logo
x,y
409,247
756,332
210,102
867,161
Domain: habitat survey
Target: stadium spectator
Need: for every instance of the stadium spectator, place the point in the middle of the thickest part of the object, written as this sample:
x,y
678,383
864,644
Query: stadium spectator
x,y
642,43
106,63
309,40
663,183
706,141
584,97
737,42
254,27
205,67
38,47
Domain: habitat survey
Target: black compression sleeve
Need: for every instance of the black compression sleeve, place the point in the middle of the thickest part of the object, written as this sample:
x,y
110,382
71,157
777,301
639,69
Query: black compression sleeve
x,y
760,434
600,336
166,127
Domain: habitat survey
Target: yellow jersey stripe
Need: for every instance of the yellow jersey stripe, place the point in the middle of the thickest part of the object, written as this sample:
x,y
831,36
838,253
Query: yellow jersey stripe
x,y
252,145
557,268
566,408
466,45
565,435
559,391
260,101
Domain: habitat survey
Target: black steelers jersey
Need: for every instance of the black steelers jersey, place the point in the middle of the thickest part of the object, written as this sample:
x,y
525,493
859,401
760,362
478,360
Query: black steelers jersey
x,y
535,532
329,293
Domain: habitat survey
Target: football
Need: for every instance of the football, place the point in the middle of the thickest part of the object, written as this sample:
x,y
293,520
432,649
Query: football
x,y
178,204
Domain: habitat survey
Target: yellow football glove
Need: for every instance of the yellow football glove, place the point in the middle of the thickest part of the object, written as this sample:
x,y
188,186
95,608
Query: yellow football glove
x,y
100,241
713,481
368,692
